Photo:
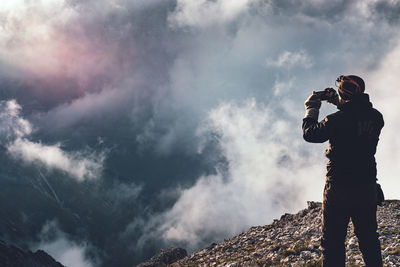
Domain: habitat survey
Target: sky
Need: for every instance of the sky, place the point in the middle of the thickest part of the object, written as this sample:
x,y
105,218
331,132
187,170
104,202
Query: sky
x,y
145,124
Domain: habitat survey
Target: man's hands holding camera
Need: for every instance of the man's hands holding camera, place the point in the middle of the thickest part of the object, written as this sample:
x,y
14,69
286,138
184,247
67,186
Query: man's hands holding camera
x,y
313,103
331,96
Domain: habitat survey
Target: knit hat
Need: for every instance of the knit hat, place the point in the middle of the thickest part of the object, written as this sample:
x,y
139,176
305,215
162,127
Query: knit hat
x,y
349,86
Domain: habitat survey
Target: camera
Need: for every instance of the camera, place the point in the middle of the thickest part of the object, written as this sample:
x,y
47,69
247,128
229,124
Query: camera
x,y
322,95
325,94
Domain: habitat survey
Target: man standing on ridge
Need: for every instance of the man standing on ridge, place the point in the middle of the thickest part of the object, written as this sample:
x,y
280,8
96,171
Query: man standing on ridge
x,y
350,190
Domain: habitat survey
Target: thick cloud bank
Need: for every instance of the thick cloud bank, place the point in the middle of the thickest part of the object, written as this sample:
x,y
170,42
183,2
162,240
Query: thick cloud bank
x,y
264,176
187,112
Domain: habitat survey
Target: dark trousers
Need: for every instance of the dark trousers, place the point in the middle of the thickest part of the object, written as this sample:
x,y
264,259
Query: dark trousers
x,y
341,203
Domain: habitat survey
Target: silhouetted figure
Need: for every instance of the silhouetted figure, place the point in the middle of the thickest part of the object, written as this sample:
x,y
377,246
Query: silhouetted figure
x,y
350,190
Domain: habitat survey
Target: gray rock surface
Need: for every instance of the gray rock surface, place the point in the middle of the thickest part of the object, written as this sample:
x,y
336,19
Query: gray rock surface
x,y
165,257
294,240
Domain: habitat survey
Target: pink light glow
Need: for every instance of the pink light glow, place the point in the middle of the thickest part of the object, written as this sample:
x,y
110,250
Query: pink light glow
x,y
48,44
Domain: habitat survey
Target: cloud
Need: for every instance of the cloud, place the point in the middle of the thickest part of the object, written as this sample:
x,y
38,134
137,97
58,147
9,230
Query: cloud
x,y
124,193
91,106
289,60
281,87
58,245
382,84
263,177
12,125
207,13
78,164
386,10
28,35
61,51
15,133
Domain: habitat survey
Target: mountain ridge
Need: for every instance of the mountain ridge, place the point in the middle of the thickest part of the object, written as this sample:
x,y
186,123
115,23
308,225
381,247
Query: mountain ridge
x,y
13,256
294,240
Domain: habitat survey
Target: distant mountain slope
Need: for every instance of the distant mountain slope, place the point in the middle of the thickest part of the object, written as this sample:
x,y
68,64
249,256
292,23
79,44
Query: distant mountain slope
x,y
12,256
294,240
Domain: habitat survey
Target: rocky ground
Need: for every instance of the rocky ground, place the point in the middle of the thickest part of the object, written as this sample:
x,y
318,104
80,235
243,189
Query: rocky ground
x,y
165,257
294,240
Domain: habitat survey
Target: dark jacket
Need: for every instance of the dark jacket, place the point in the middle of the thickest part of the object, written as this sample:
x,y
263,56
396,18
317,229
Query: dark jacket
x,y
353,134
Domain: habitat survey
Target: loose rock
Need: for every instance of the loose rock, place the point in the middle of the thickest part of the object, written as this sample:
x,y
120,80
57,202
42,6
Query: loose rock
x,y
294,240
